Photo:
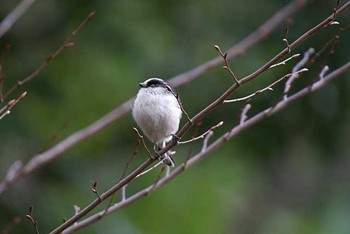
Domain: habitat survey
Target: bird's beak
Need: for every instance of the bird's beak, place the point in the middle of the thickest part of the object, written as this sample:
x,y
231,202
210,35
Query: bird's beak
x,y
142,85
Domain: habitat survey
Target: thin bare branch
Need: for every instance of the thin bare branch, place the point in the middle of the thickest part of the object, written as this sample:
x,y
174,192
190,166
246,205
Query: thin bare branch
x,y
32,219
206,140
202,135
244,113
182,108
323,72
150,169
76,209
143,142
6,110
296,71
284,62
123,193
227,65
94,189
285,39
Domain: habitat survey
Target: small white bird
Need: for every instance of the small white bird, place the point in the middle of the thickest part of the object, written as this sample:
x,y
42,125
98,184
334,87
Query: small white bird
x,y
157,112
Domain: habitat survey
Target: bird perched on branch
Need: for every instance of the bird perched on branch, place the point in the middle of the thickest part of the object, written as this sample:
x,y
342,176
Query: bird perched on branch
x,y
157,112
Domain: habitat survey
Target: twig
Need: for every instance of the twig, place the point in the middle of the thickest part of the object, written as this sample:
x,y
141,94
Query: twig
x,y
32,219
181,107
285,39
323,72
323,49
227,65
284,62
123,193
6,110
212,147
94,189
261,33
267,88
296,69
76,209
14,15
150,169
244,112
68,43
212,128
103,197
143,142
206,140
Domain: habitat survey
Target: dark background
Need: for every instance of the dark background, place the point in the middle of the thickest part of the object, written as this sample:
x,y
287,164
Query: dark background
x,y
288,174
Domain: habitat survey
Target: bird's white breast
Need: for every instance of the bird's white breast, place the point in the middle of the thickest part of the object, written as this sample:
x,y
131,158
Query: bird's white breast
x,y
157,114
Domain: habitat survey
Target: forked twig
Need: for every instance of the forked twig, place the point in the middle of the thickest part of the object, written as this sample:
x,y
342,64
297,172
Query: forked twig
x,y
94,190
6,110
267,88
32,219
285,39
227,65
296,71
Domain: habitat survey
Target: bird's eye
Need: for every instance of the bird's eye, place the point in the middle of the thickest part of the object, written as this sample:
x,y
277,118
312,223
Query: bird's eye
x,y
153,85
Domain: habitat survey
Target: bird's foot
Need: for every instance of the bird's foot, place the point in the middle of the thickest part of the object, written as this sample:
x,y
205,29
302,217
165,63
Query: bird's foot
x,y
175,138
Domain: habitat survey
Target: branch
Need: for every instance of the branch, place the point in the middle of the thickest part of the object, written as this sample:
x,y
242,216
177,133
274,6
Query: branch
x,y
6,110
202,135
296,69
227,65
212,147
32,219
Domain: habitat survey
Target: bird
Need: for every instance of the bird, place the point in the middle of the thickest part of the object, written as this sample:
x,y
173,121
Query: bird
x,y
157,111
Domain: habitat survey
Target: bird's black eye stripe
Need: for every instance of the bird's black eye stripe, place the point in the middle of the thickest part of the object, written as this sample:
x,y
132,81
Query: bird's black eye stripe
x,y
155,83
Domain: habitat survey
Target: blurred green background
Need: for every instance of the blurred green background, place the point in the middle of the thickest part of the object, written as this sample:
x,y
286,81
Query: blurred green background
x,y
288,174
